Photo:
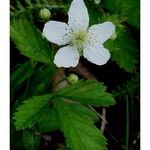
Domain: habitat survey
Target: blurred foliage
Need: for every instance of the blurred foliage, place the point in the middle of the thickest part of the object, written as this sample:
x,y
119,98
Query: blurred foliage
x,y
130,9
37,109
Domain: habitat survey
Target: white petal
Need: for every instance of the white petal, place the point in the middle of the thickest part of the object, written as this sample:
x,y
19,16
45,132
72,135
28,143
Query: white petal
x,y
78,15
57,32
101,32
67,57
96,54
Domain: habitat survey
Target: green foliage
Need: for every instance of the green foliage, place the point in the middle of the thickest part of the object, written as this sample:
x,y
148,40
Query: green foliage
x,y
78,129
130,9
16,137
42,79
49,121
31,140
87,92
29,6
68,109
81,109
128,88
22,72
30,41
28,113
123,49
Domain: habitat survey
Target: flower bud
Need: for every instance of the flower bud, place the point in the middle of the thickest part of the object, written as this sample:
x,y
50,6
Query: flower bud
x,y
45,14
114,36
72,79
97,1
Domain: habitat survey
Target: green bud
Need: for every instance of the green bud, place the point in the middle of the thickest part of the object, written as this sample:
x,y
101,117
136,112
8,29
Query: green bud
x,y
114,36
45,14
72,79
97,1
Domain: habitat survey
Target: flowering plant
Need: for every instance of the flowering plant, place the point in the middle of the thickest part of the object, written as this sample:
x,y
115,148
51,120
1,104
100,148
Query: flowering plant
x,y
79,39
59,95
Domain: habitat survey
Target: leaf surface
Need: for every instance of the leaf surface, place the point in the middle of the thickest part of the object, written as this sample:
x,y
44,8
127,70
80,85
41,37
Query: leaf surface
x,y
79,130
87,92
29,41
30,111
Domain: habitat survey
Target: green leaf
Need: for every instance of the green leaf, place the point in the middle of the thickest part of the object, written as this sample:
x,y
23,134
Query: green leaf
x,y
130,9
30,41
42,79
87,92
31,110
124,48
31,140
16,138
49,121
79,130
81,109
23,72
128,88
133,17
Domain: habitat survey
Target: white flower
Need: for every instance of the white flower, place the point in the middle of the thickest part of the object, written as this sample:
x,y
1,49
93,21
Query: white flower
x,y
78,39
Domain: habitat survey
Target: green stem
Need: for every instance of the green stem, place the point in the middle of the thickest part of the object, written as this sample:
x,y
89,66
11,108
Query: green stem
x,y
127,124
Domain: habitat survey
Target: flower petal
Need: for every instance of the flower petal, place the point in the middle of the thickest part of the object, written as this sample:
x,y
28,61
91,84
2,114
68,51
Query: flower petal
x,y
96,54
57,32
101,32
67,57
78,15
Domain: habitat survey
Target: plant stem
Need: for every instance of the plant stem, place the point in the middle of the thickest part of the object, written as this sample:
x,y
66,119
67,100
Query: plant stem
x,y
103,124
99,115
59,82
127,124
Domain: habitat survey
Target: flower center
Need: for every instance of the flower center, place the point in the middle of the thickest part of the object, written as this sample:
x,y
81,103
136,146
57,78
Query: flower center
x,y
79,38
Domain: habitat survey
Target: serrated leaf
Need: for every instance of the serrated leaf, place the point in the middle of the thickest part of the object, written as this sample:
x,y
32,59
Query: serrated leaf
x,y
49,121
20,75
31,140
123,49
30,41
87,92
79,131
30,111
